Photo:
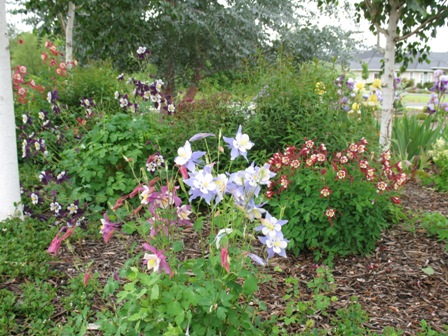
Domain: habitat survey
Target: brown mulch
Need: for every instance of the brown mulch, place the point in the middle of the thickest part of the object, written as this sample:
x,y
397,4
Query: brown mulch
x,y
389,283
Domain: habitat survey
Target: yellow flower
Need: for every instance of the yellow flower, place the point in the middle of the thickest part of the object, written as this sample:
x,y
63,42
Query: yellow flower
x,y
377,83
359,85
355,106
320,88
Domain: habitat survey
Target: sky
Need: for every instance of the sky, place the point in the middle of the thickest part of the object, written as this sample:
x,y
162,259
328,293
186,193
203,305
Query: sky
x,y
438,44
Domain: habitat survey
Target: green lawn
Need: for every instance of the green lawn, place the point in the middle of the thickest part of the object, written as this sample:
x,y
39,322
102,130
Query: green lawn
x,y
410,98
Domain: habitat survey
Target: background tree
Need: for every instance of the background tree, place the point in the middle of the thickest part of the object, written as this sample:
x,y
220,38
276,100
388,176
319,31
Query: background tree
x,y
189,39
308,42
398,20
9,169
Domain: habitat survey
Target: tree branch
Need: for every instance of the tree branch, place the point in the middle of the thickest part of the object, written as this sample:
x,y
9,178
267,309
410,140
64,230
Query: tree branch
x,y
423,25
61,18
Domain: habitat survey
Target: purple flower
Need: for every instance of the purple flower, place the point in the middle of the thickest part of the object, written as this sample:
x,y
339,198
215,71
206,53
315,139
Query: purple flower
x,y
239,145
256,259
107,227
52,96
200,136
45,177
61,177
156,261
142,52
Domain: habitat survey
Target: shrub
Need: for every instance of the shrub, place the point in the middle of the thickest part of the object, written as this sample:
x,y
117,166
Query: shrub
x,y
100,164
336,205
96,81
295,103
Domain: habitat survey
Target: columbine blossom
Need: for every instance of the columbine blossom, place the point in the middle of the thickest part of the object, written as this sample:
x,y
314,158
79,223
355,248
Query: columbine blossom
x,y
225,259
183,213
270,226
202,184
254,211
59,238
200,136
188,158
276,244
256,259
221,234
239,145
107,228
155,261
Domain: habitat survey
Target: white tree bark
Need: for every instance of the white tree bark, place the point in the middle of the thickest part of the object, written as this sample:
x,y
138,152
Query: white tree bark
x,y
387,114
9,168
69,34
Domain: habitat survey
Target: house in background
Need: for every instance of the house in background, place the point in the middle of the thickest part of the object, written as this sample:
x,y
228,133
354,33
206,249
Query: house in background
x,y
419,72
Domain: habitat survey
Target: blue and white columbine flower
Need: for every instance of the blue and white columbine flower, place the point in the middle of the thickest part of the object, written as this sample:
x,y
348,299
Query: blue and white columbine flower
x,y
188,158
239,145
271,226
202,184
275,244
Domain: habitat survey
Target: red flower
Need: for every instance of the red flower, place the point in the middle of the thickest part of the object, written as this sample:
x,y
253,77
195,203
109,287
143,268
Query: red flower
x,y
20,41
225,259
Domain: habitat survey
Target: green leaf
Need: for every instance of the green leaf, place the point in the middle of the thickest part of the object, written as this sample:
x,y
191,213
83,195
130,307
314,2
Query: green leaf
x,y
428,270
221,313
155,292
250,285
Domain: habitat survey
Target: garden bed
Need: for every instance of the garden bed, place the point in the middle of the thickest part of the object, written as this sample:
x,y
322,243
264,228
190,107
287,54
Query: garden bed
x,y
390,284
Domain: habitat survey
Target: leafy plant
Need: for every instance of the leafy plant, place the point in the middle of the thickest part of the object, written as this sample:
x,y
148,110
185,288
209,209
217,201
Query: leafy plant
x,y
18,236
412,139
439,154
436,224
99,165
336,204
295,103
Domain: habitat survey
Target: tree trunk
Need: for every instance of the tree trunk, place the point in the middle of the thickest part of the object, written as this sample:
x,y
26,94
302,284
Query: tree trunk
x,y
193,88
69,34
9,168
170,76
389,79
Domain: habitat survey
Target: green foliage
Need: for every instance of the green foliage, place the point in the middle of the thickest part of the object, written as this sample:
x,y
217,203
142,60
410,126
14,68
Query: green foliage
x,y
7,313
439,154
290,106
412,139
436,224
336,205
26,49
198,299
23,247
96,80
97,164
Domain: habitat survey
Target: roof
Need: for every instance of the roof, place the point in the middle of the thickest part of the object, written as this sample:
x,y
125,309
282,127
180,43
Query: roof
x,y
438,60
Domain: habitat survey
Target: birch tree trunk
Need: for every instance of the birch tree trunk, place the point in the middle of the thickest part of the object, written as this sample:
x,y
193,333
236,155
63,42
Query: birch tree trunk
x,y
9,168
69,34
387,114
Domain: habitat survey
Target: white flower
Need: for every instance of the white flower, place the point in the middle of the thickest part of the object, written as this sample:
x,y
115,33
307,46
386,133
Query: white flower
x,y
221,234
153,262
141,50
184,154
